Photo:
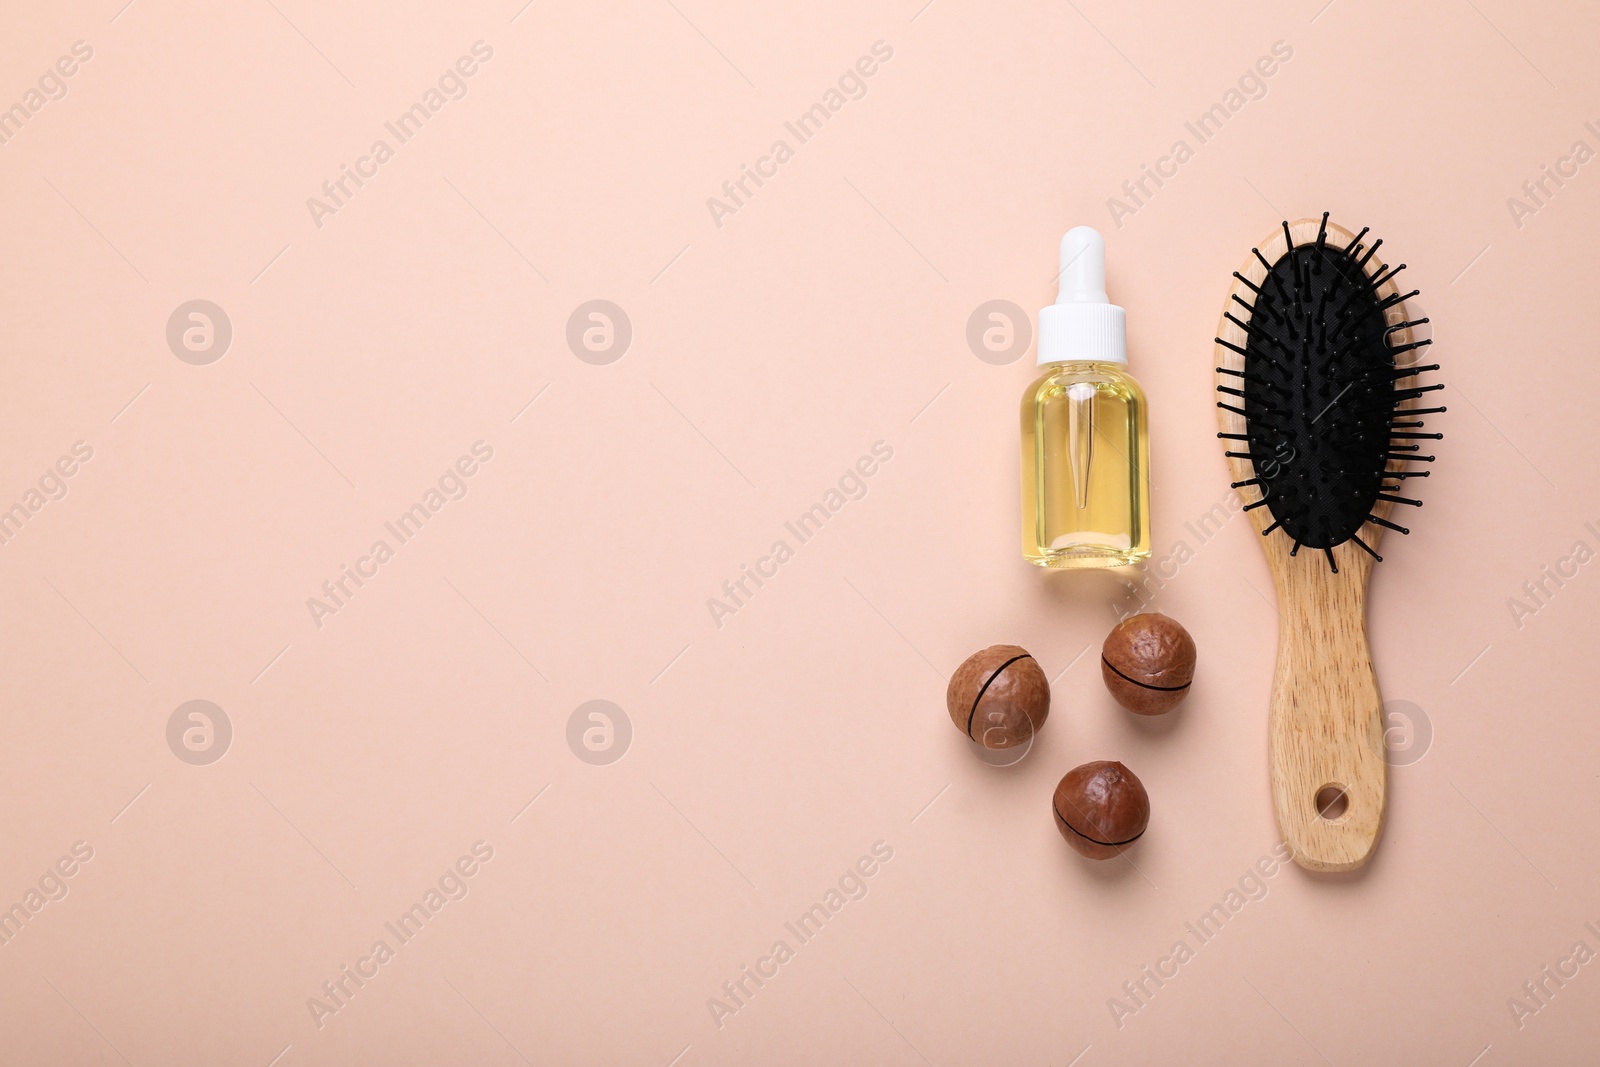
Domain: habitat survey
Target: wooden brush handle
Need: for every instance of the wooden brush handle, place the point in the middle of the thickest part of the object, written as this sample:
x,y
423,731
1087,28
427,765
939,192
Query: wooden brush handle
x,y
1326,722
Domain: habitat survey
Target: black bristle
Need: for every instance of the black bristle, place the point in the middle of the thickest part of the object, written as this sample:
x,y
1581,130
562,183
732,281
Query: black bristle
x,y
1397,297
1361,264
1322,393
1384,276
1396,328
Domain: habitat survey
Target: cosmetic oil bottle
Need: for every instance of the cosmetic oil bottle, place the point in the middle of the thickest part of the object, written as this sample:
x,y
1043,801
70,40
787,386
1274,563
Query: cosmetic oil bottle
x,y
1085,453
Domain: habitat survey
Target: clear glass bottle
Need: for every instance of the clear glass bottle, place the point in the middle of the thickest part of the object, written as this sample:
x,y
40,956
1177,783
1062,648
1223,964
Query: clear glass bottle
x,y
1085,444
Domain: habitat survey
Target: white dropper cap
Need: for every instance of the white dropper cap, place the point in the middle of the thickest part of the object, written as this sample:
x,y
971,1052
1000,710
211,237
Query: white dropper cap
x,y
1083,325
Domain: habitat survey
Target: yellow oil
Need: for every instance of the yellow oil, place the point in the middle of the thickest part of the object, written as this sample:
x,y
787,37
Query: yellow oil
x,y
1085,468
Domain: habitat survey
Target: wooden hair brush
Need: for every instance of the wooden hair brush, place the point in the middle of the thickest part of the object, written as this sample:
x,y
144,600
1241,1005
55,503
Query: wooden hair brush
x,y
1320,412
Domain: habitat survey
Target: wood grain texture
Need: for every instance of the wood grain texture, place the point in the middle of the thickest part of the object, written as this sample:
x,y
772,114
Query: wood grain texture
x,y
1325,721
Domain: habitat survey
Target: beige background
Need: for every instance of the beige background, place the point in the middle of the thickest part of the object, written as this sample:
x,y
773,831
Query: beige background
x,y
768,354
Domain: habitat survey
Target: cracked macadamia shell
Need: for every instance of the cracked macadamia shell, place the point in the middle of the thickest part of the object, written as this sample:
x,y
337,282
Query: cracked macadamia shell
x,y
1101,809
1148,663
999,697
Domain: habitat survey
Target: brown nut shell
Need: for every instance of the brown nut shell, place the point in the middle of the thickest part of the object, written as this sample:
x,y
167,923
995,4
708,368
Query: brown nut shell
x,y
1148,663
1101,808
999,697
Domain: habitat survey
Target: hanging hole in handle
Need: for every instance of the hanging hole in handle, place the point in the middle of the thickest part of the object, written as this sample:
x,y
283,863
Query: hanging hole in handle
x,y
1332,802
